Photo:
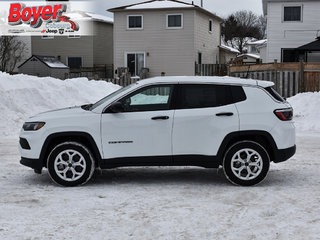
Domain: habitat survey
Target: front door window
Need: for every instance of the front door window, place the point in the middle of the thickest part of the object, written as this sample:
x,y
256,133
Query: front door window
x,y
135,63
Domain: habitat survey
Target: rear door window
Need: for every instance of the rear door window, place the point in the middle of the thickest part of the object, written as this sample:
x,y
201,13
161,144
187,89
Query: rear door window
x,y
204,96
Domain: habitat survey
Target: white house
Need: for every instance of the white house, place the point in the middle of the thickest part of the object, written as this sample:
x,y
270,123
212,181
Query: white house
x,y
292,24
167,37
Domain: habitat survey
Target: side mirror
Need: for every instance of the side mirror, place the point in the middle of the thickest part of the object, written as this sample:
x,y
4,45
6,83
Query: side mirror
x,y
115,107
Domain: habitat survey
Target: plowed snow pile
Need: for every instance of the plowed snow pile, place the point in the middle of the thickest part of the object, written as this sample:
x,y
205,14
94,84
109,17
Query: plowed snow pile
x,y
22,96
306,108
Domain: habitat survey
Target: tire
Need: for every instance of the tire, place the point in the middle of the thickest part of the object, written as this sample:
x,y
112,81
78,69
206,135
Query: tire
x,y
246,163
70,164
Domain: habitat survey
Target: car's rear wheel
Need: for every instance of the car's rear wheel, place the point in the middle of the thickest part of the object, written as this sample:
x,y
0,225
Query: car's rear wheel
x,y
246,163
70,164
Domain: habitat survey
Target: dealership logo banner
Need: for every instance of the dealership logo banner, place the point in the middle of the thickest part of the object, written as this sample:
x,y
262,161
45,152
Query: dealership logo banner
x,y
44,18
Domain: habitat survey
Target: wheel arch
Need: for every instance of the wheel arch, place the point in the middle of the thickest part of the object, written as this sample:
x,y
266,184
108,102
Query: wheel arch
x,y
80,137
262,137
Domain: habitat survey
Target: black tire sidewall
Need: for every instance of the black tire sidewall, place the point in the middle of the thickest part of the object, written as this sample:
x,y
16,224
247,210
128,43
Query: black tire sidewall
x,y
72,146
235,148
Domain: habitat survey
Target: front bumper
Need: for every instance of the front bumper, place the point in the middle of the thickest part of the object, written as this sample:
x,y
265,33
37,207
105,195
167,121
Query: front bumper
x,y
282,155
35,164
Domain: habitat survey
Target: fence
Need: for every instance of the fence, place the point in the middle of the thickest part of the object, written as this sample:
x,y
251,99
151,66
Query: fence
x,y
289,78
211,69
96,72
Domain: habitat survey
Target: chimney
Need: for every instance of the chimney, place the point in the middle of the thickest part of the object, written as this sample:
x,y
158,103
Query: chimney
x,y
202,3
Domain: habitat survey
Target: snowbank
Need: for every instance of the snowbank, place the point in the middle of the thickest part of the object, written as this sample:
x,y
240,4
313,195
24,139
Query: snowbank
x,y
22,96
306,111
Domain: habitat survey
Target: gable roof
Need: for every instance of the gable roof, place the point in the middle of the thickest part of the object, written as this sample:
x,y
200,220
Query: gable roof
x,y
163,5
265,3
313,46
49,61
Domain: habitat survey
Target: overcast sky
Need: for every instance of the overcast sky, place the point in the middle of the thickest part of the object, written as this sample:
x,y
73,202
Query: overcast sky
x,y
221,7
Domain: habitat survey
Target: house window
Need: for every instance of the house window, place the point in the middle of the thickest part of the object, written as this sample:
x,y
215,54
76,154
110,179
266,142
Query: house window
x,y
75,62
47,37
175,21
135,62
292,14
210,25
135,22
74,36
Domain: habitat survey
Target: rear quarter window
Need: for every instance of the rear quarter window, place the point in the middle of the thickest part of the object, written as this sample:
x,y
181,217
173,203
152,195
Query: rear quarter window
x,y
275,94
238,94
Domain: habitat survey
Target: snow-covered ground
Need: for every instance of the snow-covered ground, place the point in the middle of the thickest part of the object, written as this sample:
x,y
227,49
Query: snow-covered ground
x,y
163,203
151,203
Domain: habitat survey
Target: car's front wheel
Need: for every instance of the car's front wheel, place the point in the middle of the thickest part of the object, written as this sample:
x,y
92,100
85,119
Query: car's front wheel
x,y
246,163
70,164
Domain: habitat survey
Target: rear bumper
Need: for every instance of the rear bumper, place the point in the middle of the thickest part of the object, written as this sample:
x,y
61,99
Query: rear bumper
x,y
35,164
282,155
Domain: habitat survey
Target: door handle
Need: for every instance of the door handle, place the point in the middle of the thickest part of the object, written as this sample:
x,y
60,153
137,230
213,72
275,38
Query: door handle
x,y
224,114
160,118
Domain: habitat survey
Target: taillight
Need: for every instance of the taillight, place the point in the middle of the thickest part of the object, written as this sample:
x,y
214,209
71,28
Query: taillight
x,y
284,114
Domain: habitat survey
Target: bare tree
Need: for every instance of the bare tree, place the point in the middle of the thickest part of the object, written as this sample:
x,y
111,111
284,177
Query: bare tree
x,y
11,52
241,27
263,26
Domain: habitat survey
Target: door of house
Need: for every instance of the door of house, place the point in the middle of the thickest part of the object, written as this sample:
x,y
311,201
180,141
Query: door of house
x,y
135,63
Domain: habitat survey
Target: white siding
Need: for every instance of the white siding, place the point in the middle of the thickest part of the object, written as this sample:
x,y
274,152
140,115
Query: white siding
x,y
207,42
291,34
167,50
226,56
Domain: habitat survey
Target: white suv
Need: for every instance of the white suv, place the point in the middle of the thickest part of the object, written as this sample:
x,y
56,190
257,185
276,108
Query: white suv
x,y
241,125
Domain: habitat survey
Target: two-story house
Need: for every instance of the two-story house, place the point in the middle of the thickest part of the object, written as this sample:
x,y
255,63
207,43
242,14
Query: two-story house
x,y
78,51
292,24
166,36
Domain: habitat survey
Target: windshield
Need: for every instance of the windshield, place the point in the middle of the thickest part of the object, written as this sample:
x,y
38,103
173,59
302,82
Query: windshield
x,y
107,98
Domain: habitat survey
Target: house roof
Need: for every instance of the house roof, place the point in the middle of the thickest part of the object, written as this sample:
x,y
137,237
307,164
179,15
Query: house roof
x,y
265,3
49,61
258,42
313,46
255,56
161,5
229,49
87,16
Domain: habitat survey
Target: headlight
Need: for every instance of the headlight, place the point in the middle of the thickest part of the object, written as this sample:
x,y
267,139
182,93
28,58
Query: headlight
x,y
33,126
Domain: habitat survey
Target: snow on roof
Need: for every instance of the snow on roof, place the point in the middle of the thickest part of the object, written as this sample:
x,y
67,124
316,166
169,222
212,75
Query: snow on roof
x,y
163,4
52,62
99,17
160,4
87,16
258,42
256,56
230,49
